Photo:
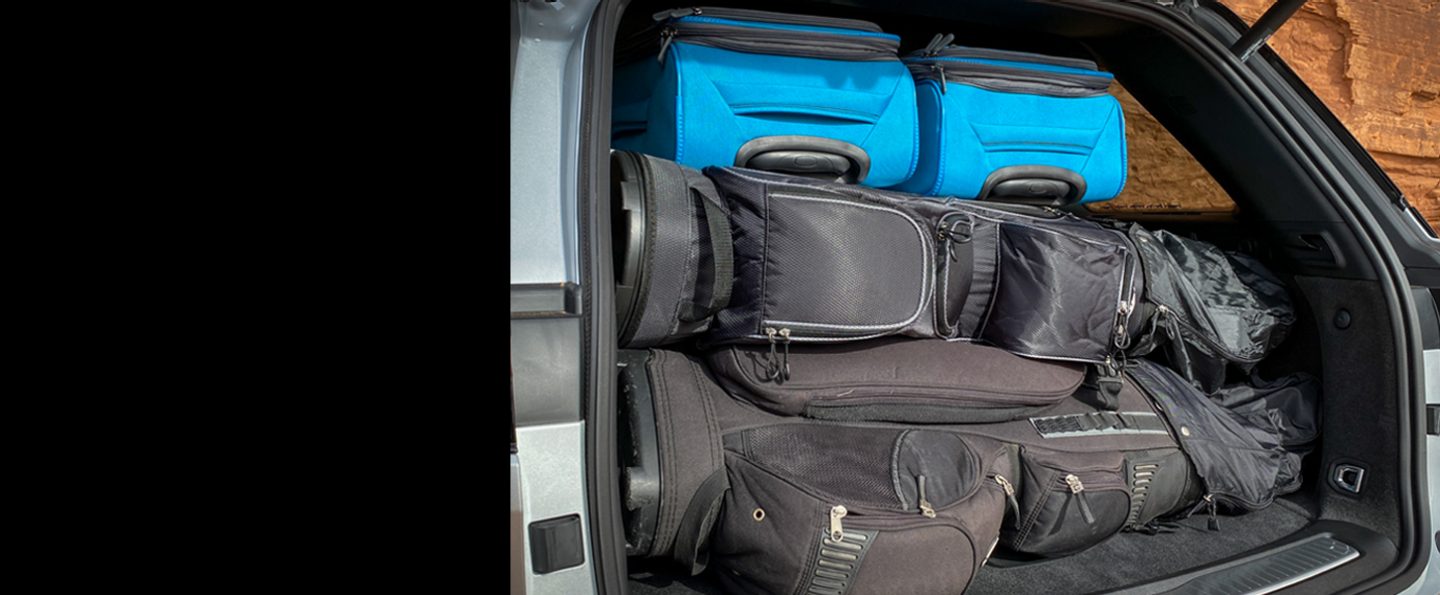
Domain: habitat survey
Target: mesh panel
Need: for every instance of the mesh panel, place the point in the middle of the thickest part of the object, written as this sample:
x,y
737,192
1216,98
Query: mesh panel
x,y
852,464
832,262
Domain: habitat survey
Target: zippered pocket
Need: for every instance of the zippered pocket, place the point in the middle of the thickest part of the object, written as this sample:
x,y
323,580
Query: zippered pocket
x,y
819,274
1068,502
955,256
1010,72
1058,295
878,527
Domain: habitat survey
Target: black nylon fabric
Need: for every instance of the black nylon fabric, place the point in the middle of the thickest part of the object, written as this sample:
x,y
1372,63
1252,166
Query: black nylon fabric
x,y
918,381
1074,274
1288,407
835,262
1213,307
1243,465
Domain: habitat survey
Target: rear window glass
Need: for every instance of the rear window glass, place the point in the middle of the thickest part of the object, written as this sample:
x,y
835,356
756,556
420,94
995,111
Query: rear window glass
x,y
1162,177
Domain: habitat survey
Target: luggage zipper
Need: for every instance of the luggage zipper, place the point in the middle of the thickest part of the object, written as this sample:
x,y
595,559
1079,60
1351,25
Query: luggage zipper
x,y
837,528
1127,303
837,45
1077,490
1163,314
779,368
925,507
946,233
762,16
1010,500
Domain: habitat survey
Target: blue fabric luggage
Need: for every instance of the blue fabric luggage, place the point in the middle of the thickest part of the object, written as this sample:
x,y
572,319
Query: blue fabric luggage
x,y
798,94
1015,126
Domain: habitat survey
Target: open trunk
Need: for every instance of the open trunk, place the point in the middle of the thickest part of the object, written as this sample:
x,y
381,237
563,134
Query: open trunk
x,y
1344,332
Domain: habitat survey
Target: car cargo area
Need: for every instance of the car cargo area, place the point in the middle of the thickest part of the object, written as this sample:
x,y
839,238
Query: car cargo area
x,y
1343,520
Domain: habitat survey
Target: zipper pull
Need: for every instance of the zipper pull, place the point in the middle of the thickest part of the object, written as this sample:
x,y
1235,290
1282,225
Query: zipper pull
x,y
785,359
837,530
1078,490
1122,316
772,365
1009,493
925,507
939,74
666,36
1214,524
675,13
938,43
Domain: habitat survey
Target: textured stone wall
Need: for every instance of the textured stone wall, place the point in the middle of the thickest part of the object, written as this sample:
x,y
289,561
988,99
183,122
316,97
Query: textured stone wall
x,y
1375,64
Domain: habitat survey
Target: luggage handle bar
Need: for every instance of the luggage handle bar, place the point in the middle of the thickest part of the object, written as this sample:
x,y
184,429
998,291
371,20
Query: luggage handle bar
x,y
810,156
1041,185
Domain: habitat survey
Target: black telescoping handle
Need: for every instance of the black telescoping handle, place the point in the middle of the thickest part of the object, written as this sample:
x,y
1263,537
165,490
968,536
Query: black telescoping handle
x,y
1042,185
810,156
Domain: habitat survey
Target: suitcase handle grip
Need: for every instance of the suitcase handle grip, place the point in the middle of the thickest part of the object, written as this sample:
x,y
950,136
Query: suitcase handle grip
x,y
809,156
1034,184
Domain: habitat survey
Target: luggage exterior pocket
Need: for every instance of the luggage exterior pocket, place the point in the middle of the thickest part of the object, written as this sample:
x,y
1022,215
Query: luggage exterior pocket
x,y
821,263
811,510
1068,502
1044,123
1062,295
896,380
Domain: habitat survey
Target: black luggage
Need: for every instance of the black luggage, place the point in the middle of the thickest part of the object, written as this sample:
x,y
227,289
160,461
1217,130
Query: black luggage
x,y
822,508
895,380
672,250
821,262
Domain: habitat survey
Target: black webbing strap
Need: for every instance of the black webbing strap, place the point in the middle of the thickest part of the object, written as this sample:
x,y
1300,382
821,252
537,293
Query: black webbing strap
x,y
692,537
722,253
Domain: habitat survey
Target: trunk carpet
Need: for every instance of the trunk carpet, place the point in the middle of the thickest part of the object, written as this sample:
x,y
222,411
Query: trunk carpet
x,y
1123,560
1132,557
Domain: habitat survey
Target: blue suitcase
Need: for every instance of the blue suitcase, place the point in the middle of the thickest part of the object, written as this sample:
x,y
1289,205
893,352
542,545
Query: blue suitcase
x,y
1015,126
799,94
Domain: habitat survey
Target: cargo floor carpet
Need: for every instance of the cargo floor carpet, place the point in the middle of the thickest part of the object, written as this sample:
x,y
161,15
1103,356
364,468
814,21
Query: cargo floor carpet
x,y
1123,560
1131,557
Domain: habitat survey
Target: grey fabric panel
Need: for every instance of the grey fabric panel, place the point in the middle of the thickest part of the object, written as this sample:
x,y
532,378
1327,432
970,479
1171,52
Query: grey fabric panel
x,y
896,372
825,258
688,436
